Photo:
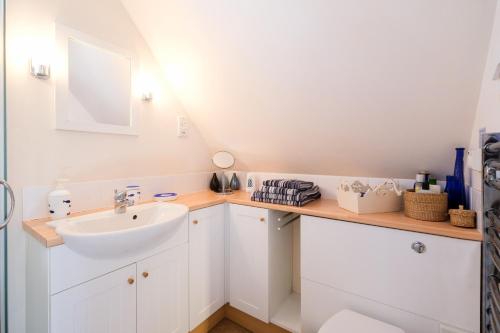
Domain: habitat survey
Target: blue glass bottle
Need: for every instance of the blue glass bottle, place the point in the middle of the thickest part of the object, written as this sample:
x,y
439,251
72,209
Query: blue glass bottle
x,y
459,178
455,185
451,186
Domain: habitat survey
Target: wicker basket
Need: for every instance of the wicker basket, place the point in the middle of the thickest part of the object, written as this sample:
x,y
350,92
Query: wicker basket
x,y
426,206
462,217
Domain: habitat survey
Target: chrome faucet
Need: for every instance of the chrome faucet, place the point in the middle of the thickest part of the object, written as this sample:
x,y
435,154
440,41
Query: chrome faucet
x,y
121,201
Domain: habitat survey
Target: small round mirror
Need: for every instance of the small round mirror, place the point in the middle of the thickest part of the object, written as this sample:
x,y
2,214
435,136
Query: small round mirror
x,y
223,159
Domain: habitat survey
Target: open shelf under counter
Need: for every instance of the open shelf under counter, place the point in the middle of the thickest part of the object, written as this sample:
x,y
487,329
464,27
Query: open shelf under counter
x,y
288,314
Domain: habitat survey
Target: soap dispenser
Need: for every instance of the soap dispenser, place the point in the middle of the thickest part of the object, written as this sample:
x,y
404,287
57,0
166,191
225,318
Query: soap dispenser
x,y
59,200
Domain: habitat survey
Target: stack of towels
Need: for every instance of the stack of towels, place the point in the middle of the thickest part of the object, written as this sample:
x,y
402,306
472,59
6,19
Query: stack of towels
x,y
289,192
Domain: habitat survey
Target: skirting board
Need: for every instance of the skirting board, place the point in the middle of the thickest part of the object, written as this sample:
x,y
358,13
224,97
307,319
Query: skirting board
x,y
240,318
211,321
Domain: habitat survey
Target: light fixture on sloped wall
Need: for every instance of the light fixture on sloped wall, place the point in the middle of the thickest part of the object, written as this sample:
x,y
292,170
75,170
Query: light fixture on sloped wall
x,y
497,73
147,96
147,86
40,67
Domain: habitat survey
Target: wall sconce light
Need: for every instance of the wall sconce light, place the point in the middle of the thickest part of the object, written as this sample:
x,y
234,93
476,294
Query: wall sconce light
x,y
147,96
497,73
39,69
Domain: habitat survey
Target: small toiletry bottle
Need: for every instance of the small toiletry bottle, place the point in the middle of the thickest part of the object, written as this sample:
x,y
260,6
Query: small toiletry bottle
x,y
59,201
419,184
133,194
434,188
425,185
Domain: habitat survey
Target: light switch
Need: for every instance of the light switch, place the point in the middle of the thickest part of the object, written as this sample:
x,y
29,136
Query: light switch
x,y
182,126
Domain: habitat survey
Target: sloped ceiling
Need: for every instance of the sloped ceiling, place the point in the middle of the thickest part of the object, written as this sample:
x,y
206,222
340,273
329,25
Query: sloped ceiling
x,y
345,87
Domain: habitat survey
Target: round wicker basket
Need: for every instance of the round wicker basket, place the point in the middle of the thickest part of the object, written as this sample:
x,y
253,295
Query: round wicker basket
x,y
426,206
463,217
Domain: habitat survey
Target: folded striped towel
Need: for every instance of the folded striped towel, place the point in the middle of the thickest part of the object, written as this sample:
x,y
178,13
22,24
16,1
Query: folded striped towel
x,y
279,190
293,196
287,202
289,183
286,196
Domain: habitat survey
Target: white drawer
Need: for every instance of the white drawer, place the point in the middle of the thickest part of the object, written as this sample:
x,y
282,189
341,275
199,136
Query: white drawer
x,y
443,283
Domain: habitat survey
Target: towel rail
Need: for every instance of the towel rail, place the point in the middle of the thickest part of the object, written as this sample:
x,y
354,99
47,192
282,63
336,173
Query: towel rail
x,y
491,245
492,173
494,318
493,219
492,148
495,259
494,292
493,239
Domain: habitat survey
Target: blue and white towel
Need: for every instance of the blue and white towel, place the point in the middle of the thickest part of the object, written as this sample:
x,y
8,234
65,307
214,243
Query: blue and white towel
x,y
287,192
288,202
279,190
289,183
298,196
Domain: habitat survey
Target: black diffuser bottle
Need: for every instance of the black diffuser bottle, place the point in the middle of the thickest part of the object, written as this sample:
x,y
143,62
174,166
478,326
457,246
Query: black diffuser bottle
x,y
214,183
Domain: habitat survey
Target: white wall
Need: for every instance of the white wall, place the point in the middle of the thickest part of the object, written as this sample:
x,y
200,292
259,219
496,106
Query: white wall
x,y
487,117
488,109
37,154
341,87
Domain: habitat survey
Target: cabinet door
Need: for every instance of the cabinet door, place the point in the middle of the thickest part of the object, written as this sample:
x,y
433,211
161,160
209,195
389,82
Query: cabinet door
x,y
103,305
248,263
162,292
442,283
206,263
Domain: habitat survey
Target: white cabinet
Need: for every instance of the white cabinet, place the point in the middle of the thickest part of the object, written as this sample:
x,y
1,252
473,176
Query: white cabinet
x,y
206,263
69,293
249,262
150,296
105,304
376,271
162,292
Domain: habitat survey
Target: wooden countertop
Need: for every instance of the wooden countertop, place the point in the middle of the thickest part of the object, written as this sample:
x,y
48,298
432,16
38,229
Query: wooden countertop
x,y
326,208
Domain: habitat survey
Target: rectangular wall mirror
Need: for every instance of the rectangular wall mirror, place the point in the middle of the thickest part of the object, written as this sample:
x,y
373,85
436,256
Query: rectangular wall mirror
x,y
94,83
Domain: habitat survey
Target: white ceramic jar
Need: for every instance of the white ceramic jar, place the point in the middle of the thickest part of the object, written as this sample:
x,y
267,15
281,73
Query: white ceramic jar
x,y
59,201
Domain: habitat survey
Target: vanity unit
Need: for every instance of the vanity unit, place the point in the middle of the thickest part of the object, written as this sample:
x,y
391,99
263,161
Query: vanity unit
x,y
144,293
231,250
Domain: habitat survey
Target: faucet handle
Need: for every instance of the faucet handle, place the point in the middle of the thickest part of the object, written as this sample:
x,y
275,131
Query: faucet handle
x,y
120,195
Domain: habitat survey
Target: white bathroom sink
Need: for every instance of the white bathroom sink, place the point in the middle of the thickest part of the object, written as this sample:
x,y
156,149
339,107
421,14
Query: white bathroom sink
x,y
108,235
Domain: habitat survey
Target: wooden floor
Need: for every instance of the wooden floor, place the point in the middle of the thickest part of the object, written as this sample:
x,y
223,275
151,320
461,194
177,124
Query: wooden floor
x,y
227,326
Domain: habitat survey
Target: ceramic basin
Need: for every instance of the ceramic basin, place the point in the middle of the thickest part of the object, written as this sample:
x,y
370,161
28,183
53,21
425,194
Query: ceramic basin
x,y
107,234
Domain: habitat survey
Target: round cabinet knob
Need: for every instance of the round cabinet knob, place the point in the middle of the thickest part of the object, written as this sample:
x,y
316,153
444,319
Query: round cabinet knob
x,y
195,221
418,247
262,219
131,281
145,274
